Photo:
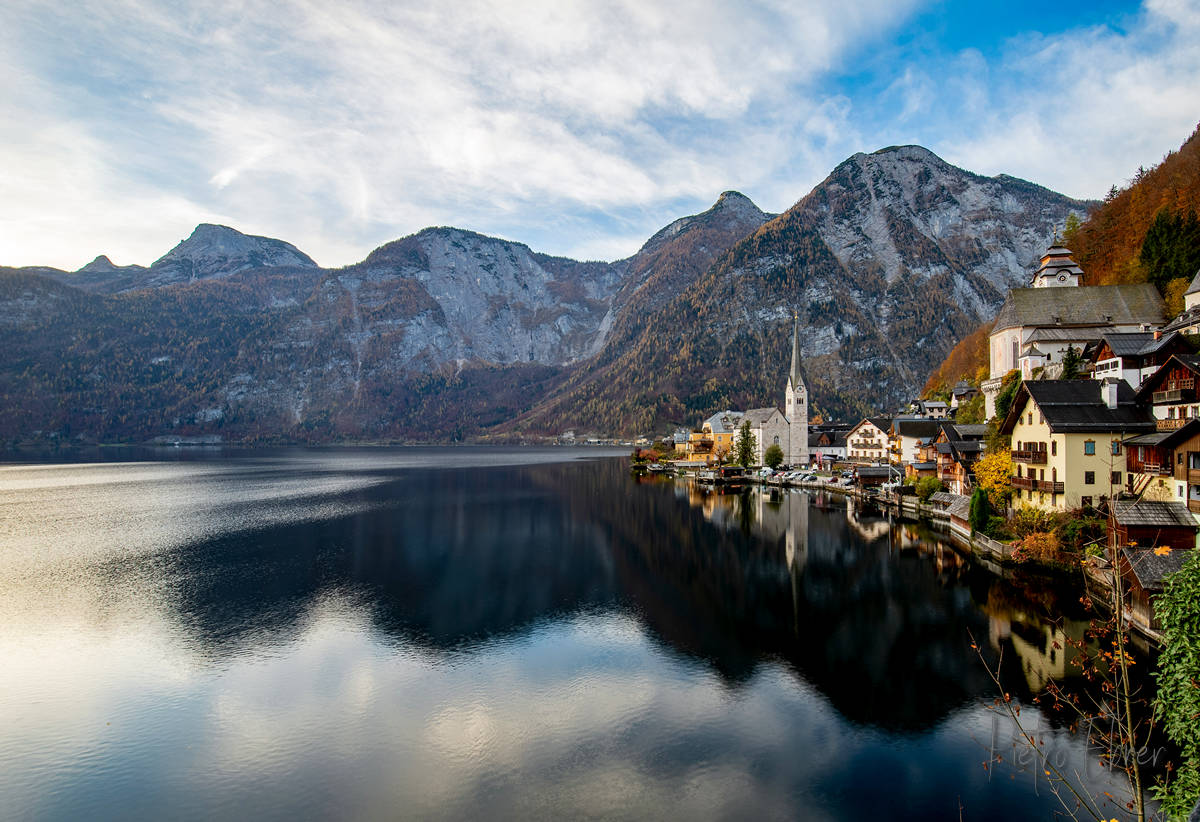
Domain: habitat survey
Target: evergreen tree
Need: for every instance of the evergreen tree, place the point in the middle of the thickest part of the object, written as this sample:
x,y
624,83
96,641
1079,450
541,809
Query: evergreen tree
x,y
745,445
1072,363
1171,249
981,509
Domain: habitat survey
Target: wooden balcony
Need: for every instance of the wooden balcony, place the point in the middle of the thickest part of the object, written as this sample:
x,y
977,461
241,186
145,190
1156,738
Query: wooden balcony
x,y
1031,484
1170,425
1176,391
1029,456
1193,475
1194,506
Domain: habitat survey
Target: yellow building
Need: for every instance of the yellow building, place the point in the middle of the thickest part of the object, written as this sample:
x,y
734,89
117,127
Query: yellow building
x,y
1067,441
715,438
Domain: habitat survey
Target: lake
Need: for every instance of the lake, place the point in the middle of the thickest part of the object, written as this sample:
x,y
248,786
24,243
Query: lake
x,y
471,633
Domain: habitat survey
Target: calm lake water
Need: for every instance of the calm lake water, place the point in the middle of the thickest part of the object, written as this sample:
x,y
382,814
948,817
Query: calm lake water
x,y
490,634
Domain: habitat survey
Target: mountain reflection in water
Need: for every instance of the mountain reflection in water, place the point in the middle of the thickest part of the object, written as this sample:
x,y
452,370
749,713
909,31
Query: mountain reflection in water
x,y
551,639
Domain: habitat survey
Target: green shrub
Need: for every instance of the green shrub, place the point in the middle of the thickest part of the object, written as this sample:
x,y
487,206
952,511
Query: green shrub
x,y
981,510
1178,701
927,487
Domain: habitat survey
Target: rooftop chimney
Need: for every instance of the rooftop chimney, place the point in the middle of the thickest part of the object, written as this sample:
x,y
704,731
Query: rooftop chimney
x,y
1108,392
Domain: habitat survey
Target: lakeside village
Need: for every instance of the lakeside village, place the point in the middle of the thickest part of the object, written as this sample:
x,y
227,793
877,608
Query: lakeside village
x,y
1090,453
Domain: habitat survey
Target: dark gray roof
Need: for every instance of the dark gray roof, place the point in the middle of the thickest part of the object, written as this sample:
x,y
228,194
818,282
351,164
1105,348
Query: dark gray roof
x,y
1077,406
1128,344
1156,438
969,432
1186,318
758,416
960,508
875,470
915,428
882,423
1150,568
945,448
1070,334
1154,513
1195,286
1137,343
941,498
1081,305
923,466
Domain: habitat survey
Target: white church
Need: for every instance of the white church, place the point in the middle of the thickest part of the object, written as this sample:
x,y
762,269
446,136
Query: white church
x,y
787,429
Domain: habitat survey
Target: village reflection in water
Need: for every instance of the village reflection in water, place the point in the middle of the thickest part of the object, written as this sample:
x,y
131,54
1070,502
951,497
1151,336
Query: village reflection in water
x,y
1025,615
508,641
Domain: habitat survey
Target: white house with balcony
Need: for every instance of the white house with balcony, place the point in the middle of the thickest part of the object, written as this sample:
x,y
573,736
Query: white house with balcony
x,y
1036,325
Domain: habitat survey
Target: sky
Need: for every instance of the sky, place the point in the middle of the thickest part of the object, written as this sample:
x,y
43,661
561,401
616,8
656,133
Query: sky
x,y
578,127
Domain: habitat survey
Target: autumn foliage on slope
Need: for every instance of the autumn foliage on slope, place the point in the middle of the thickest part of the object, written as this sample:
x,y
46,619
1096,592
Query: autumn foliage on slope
x,y
1108,244
1111,246
962,363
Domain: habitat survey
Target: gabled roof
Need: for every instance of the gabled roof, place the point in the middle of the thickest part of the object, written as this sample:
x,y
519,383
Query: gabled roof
x,y
1169,439
757,417
1082,305
1082,334
960,508
884,424
969,431
1151,383
724,422
1138,343
1128,344
1077,406
920,428
942,497
1187,318
1195,286
1150,568
1153,513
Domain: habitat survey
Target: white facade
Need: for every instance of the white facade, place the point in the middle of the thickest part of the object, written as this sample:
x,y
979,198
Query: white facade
x,y
868,443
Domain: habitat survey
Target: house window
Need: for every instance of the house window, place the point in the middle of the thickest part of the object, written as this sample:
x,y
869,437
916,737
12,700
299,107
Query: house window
x,y
1031,418
1089,447
1089,477
1041,417
1179,458
1116,477
777,439
1116,447
1054,448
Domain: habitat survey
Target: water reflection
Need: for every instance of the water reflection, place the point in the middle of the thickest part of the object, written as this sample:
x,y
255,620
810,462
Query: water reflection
x,y
368,639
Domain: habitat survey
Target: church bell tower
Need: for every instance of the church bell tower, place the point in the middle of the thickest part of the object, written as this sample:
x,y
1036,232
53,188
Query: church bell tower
x,y
796,401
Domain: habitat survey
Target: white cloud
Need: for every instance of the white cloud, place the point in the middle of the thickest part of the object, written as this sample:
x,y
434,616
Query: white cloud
x,y
359,122
1080,111
574,126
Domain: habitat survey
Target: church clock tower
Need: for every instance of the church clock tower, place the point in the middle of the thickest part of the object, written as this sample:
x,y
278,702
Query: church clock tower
x,y
796,401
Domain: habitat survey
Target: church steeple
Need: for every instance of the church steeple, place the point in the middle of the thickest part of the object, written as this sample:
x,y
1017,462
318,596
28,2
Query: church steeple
x,y
794,376
796,400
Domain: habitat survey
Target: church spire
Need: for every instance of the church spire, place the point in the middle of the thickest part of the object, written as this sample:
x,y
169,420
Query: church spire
x,y
794,375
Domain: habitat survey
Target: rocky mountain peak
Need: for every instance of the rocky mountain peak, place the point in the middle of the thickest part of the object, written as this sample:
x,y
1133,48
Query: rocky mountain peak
x,y
218,249
97,266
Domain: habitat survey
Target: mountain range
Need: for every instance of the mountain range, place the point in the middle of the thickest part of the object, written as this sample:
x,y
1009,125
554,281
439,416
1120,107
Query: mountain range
x,y
447,334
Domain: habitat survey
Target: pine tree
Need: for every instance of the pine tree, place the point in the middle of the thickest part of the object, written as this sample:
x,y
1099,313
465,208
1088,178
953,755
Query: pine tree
x,y
745,445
